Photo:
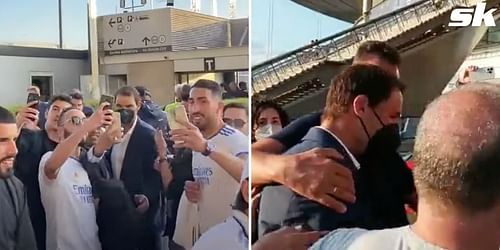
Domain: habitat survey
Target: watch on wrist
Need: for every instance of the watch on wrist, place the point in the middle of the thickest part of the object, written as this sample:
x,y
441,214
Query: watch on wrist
x,y
210,148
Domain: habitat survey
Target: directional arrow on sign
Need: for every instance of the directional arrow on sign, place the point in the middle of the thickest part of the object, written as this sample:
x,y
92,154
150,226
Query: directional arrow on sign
x,y
111,42
111,22
146,40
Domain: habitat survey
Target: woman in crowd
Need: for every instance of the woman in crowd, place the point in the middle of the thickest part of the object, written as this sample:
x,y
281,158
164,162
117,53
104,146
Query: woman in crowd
x,y
268,119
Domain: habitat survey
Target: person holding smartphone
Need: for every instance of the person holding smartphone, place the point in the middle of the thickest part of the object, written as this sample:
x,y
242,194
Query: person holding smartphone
x,y
64,183
219,152
32,144
41,106
132,161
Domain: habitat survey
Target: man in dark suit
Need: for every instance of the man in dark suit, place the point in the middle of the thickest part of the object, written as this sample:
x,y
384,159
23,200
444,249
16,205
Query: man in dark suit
x,y
363,106
131,160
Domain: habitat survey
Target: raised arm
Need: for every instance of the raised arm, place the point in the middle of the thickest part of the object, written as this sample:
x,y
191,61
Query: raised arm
x,y
66,147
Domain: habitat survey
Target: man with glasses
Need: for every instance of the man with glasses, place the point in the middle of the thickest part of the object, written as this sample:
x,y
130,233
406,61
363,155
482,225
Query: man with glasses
x,y
236,116
66,191
32,145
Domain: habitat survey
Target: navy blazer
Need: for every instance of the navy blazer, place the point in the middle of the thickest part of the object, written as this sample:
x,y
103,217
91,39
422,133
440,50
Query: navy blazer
x,y
280,206
138,173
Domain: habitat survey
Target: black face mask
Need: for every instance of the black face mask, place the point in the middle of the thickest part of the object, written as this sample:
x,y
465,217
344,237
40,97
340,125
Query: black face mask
x,y
126,116
386,139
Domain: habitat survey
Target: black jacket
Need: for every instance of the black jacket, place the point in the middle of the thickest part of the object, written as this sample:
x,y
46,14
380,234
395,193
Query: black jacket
x,y
139,177
119,223
279,206
16,232
32,145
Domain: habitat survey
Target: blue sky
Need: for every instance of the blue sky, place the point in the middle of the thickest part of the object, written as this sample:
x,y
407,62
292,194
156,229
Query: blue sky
x,y
292,26
36,21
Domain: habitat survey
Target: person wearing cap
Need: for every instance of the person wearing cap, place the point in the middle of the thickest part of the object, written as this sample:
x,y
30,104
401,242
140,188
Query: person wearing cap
x,y
233,232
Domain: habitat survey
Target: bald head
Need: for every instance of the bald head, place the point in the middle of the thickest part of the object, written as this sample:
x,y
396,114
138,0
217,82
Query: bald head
x,y
457,149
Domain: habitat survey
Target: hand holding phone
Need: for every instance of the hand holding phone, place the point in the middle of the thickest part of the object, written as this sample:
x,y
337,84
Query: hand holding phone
x,y
176,117
109,99
33,100
482,74
28,115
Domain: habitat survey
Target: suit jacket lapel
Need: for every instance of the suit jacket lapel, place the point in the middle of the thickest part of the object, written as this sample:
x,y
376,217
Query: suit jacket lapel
x,y
327,140
132,149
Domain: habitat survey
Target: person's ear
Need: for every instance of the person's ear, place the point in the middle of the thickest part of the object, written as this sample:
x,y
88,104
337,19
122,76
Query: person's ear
x,y
360,105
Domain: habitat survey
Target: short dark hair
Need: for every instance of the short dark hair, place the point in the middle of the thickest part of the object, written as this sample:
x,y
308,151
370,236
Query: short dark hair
x,y
380,49
61,97
143,91
77,96
235,105
129,91
368,80
213,86
261,106
240,204
63,113
6,116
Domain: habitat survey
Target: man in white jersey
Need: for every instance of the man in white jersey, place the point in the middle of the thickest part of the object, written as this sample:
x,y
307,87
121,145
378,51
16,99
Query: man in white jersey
x,y
65,187
233,232
457,168
219,152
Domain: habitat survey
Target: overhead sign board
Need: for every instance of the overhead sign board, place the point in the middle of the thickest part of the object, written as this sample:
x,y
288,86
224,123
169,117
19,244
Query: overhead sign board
x,y
137,32
209,64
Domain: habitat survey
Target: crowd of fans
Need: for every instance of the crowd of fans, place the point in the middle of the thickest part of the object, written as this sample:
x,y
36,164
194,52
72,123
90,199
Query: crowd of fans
x,y
74,179
334,180
79,178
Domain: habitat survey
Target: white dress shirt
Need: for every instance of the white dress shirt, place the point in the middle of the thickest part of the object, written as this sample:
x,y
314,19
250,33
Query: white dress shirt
x,y
353,159
119,151
117,154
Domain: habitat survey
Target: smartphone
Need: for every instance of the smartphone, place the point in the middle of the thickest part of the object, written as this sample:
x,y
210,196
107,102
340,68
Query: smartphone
x,y
176,117
117,124
109,99
33,97
485,73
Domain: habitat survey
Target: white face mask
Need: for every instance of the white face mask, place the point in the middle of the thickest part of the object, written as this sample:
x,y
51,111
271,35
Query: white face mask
x,y
266,131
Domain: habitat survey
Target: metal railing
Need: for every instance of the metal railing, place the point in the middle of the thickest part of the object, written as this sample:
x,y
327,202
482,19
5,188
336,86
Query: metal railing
x,y
342,46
